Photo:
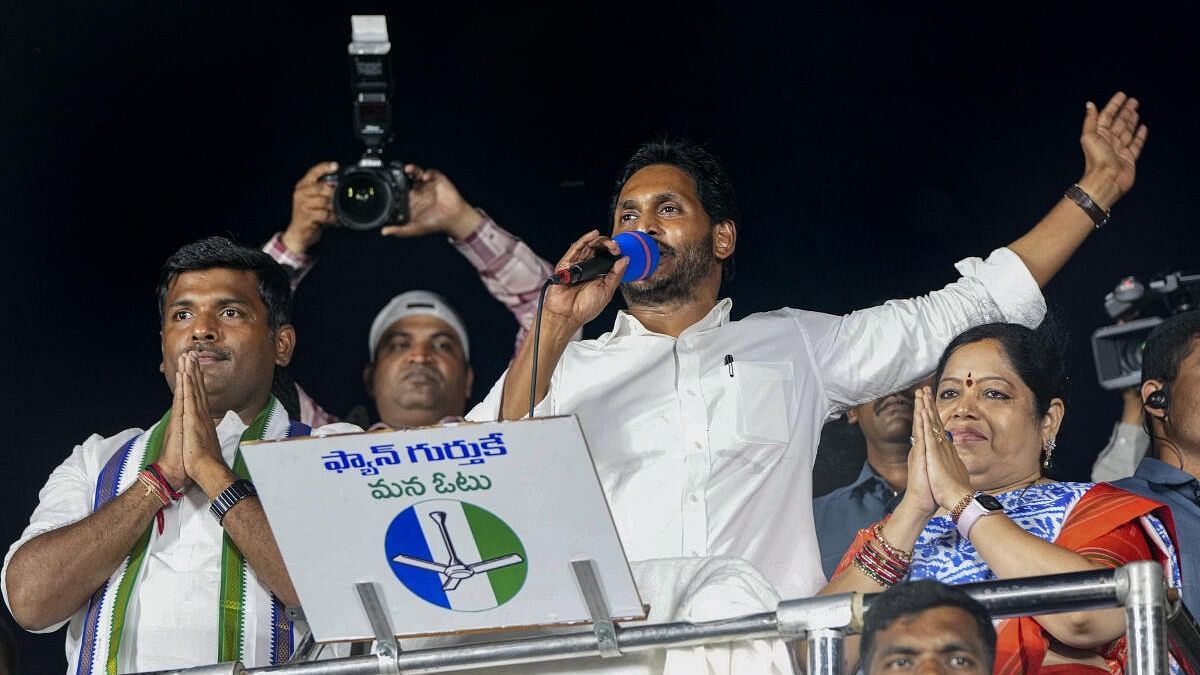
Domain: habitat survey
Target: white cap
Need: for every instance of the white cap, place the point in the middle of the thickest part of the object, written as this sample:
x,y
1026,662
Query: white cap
x,y
412,303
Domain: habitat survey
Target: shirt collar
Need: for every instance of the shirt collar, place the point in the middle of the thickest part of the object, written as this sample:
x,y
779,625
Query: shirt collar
x,y
870,480
1157,471
867,475
627,324
230,427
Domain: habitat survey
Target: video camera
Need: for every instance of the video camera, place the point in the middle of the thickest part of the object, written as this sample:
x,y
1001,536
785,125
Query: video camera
x,y
1139,307
373,192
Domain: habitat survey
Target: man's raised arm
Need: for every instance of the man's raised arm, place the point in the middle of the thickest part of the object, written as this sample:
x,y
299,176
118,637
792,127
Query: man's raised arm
x,y
1112,140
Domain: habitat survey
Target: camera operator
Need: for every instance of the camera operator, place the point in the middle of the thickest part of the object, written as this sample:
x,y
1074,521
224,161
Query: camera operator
x,y
1170,395
1128,443
510,270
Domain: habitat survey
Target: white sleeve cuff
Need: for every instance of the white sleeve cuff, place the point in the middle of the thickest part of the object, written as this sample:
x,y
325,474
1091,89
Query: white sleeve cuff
x,y
1009,283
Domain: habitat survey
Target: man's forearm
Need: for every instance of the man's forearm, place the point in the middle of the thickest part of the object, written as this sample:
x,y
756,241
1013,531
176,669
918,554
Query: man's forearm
x,y
555,337
510,270
1048,246
54,574
247,525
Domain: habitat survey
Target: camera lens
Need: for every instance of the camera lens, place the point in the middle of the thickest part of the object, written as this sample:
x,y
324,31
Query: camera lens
x,y
1130,354
363,200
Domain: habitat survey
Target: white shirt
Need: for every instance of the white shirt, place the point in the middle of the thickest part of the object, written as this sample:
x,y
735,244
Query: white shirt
x,y
172,620
697,463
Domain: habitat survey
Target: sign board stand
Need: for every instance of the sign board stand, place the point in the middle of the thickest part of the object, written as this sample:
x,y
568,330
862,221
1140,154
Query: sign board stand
x,y
597,604
386,646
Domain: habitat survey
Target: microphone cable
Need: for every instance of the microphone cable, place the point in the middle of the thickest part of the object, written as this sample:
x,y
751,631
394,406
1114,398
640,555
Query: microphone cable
x,y
537,339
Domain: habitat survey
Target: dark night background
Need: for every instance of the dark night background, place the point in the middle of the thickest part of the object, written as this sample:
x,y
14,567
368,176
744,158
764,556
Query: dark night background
x,y
871,147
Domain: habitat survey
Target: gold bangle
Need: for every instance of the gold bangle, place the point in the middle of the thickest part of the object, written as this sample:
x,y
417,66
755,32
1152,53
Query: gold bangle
x,y
905,556
962,504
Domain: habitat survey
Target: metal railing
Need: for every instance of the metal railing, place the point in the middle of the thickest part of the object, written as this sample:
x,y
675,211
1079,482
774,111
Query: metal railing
x,y
822,622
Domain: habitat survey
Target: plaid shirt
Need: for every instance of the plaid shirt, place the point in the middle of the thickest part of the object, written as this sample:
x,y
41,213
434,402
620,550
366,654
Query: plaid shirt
x,y
510,270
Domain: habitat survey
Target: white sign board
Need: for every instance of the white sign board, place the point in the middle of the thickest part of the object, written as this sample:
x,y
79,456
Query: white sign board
x,y
463,527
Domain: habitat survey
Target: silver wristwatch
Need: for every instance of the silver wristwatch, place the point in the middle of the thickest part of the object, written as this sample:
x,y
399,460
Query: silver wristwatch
x,y
231,495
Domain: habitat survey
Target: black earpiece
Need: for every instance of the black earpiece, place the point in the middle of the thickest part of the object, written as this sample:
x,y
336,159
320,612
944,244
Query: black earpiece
x,y
1157,399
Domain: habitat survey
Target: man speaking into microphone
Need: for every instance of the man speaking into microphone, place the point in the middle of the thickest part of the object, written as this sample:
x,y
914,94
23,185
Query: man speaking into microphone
x,y
703,429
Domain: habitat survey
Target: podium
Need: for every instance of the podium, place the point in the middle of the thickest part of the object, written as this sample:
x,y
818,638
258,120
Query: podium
x,y
446,530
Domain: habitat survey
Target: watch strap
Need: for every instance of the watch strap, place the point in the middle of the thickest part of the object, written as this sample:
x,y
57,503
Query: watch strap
x,y
230,496
1084,201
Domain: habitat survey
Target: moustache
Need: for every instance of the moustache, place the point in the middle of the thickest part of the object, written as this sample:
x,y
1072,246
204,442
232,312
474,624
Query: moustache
x,y
421,369
220,353
894,398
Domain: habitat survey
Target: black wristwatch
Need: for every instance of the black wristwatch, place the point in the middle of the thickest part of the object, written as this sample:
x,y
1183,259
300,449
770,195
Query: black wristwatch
x,y
231,495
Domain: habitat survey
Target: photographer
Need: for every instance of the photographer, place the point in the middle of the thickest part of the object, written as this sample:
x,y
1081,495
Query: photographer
x,y
423,387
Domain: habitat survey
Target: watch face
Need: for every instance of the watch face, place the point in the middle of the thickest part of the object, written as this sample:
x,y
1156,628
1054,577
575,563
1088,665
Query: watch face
x,y
990,503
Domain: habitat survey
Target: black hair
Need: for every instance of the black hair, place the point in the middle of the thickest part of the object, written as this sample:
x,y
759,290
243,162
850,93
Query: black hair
x,y
1164,351
274,289
274,286
912,597
713,186
1036,355
1168,345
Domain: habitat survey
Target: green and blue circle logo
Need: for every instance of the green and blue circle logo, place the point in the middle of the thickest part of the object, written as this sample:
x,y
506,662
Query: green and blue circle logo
x,y
456,555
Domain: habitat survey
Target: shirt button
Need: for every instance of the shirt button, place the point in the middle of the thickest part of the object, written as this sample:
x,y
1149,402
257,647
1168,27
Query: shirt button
x,y
693,498
696,446
691,392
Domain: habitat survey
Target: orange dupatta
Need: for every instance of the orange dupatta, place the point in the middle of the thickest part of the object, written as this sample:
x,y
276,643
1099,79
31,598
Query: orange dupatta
x,y
1021,643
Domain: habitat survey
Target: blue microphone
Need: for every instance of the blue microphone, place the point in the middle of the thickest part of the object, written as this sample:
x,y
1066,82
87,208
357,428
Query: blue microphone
x,y
639,247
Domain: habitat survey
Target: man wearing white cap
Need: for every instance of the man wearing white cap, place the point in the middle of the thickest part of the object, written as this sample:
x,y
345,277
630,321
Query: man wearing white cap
x,y
419,372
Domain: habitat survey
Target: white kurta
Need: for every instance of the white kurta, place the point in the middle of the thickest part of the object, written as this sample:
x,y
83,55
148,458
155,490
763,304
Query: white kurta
x,y
699,462
172,620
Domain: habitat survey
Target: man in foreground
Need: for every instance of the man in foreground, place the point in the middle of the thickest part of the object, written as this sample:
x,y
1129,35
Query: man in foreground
x,y
153,545
927,627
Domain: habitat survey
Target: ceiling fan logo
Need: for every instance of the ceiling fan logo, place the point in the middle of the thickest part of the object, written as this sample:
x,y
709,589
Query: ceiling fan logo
x,y
456,555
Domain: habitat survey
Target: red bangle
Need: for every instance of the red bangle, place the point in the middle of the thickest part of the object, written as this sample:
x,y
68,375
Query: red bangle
x,y
161,479
897,567
146,478
889,578
869,557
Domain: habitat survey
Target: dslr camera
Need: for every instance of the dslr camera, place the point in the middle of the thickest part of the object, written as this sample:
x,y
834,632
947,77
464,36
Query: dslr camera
x,y
1139,307
374,191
